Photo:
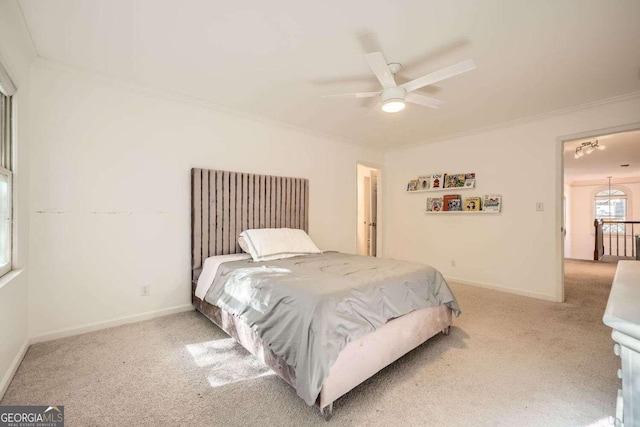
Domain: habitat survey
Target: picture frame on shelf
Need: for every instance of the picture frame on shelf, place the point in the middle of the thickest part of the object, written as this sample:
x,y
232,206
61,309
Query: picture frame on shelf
x,y
492,203
423,182
470,180
434,204
437,181
472,204
455,180
412,185
451,202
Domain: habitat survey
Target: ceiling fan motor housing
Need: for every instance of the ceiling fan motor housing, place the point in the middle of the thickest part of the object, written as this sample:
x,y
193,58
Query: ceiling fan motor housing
x,y
393,93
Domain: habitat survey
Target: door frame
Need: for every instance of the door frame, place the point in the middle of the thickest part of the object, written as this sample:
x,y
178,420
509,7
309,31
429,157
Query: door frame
x,y
379,209
561,140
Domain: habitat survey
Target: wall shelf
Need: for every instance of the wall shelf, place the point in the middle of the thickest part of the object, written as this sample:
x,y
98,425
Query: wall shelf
x,y
462,212
454,200
432,190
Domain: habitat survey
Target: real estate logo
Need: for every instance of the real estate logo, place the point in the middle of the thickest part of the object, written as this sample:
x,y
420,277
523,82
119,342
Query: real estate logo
x,y
31,416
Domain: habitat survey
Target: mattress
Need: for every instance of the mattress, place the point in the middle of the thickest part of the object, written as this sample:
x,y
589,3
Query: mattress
x,y
308,308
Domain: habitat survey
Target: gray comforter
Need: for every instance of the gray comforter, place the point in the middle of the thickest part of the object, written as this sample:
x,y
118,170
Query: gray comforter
x,y
309,307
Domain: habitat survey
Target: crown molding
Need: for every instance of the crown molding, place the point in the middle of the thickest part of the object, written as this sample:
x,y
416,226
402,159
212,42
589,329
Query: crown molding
x,y
50,64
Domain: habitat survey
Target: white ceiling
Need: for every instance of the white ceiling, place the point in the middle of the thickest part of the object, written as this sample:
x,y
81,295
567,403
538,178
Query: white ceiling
x,y
621,148
276,58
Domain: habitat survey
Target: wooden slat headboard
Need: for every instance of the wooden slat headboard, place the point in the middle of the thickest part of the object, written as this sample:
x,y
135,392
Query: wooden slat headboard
x,y
223,204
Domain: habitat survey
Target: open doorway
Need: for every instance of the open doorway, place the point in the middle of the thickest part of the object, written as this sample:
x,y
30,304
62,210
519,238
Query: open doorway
x,y
601,210
368,206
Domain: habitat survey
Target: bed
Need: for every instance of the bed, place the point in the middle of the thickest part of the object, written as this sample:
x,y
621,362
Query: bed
x,y
226,204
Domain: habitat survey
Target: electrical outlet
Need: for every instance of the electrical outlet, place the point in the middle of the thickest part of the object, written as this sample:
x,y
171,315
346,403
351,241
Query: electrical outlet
x,y
144,291
453,263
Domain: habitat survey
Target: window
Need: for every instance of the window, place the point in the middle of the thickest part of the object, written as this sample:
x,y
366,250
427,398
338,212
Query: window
x,y
611,204
6,174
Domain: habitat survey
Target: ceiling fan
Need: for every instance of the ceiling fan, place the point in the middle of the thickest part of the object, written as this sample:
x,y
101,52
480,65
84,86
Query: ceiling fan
x,y
395,96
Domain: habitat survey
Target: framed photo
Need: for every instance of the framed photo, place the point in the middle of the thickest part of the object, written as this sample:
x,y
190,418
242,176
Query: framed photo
x,y
492,203
472,204
434,204
412,185
437,180
451,202
454,180
423,182
470,180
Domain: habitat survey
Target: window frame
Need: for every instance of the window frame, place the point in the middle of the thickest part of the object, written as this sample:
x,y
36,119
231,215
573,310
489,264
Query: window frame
x,y
8,161
627,195
4,269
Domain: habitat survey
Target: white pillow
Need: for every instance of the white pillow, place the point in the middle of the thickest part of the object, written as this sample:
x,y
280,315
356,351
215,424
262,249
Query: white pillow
x,y
245,247
266,244
243,243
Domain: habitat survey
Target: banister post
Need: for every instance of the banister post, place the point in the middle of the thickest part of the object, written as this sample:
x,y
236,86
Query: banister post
x,y
598,250
595,246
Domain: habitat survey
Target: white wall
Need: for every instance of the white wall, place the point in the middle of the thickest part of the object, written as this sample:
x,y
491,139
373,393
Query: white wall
x,y
582,216
16,55
111,208
517,250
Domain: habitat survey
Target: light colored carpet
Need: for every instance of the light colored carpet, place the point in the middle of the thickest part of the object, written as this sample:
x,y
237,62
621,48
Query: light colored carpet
x,y
509,361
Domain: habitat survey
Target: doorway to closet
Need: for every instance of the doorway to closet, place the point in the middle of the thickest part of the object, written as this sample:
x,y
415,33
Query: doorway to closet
x,y
368,206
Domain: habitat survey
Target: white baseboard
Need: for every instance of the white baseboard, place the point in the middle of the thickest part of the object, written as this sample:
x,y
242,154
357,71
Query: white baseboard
x,y
4,384
95,326
504,289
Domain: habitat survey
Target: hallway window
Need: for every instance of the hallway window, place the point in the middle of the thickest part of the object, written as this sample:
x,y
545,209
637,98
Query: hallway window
x,y
611,204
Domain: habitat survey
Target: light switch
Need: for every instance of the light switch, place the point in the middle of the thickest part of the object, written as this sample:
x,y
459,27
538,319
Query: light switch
x,y
539,206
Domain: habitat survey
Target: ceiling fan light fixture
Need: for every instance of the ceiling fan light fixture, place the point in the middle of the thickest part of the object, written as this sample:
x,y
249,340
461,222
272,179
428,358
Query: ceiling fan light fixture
x,y
393,105
393,99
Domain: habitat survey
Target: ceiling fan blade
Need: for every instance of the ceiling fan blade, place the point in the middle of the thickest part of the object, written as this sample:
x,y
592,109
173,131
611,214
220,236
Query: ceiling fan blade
x,y
414,98
442,74
379,67
353,95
